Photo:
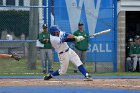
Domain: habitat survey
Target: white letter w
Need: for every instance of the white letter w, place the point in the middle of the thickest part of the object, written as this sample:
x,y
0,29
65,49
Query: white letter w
x,y
74,13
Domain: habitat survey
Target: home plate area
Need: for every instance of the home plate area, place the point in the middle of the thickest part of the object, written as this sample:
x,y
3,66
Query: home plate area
x,y
100,83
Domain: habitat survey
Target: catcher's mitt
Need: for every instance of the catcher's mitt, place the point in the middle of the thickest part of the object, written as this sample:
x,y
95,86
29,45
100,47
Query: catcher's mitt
x,y
15,56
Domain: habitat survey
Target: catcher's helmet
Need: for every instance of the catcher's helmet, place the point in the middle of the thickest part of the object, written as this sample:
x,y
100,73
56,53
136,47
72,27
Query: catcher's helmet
x,y
44,26
54,29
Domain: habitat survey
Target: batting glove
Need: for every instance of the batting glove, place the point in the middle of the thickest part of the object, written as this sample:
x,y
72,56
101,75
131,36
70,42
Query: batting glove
x,y
79,38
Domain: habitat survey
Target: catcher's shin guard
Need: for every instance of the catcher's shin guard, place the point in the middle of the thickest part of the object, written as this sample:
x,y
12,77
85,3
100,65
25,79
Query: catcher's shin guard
x,y
49,76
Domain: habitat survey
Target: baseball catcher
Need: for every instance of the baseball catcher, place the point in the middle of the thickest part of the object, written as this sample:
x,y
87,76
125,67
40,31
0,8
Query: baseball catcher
x,y
59,41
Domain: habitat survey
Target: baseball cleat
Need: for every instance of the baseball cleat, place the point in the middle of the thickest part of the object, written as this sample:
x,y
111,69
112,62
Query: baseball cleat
x,y
49,76
88,77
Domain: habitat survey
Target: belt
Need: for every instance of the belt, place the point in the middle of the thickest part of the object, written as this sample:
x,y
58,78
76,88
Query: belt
x,y
64,51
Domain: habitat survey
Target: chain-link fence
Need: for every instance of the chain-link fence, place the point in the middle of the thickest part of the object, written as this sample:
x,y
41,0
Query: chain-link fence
x,y
20,23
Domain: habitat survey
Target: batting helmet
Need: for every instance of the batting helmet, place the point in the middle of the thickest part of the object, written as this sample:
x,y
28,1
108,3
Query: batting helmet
x,y
54,29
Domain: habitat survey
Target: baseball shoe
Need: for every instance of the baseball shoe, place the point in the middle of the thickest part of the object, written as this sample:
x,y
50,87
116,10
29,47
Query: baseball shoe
x,y
49,76
88,77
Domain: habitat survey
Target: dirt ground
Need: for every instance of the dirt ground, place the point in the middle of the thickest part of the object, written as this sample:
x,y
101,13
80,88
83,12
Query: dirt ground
x,y
101,83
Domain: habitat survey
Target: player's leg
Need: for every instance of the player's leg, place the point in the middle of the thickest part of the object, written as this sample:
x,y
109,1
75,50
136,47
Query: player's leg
x,y
135,59
64,62
75,67
5,56
43,60
50,60
83,56
129,63
78,52
139,64
74,58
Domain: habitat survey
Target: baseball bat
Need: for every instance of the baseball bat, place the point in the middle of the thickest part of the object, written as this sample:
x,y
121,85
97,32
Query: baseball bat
x,y
100,33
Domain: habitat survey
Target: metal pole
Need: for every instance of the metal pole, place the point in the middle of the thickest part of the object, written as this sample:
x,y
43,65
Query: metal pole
x,y
45,11
33,33
115,37
49,13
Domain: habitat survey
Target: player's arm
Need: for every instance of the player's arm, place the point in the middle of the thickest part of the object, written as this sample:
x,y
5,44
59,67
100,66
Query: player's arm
x,y
76,38
68,38
5,56
131,52
15,56
71,37
43,40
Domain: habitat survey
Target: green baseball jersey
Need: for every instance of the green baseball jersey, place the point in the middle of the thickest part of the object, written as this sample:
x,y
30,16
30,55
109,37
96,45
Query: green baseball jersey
x,y
45,35
134,49
81,45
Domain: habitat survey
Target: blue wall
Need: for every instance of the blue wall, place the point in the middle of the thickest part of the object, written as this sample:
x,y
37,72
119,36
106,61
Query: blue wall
x,y
97,15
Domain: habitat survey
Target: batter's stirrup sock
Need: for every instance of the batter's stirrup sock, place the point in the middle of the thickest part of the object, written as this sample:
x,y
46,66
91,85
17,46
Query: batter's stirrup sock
x,y
56,73
82,70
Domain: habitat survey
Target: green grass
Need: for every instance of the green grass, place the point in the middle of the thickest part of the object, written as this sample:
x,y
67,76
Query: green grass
x,y
12,67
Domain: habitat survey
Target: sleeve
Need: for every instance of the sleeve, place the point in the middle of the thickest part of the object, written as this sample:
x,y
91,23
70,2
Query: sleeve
x,y
69,39
87,37
63,37
41,38
54,40
75,33
49,38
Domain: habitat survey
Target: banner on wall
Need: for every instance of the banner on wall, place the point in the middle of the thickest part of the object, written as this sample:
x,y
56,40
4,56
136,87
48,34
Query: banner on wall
x,y
97,15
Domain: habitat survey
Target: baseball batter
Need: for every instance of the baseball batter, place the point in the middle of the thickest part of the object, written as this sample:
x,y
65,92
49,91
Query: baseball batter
x,y
58,40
